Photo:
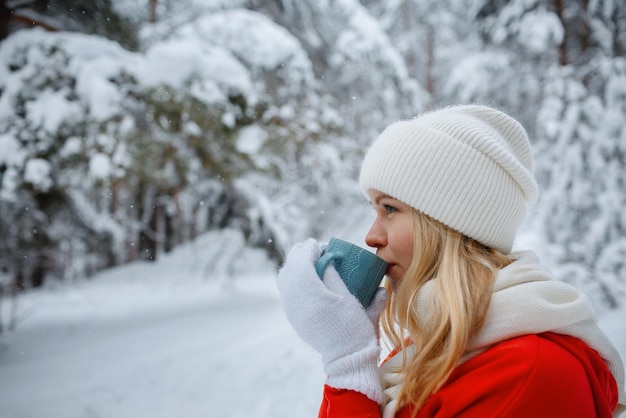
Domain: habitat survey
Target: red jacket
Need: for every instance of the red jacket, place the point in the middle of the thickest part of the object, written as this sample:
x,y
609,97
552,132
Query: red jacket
x,y
544,375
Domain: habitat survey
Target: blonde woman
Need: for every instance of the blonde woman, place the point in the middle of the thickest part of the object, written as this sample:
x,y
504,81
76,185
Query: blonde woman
x,y
477,330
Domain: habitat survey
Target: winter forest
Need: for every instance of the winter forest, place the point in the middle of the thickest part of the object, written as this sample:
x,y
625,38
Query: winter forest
x,y
129,128
159,157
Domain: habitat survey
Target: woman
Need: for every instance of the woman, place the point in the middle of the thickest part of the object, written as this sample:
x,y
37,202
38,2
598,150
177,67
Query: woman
x,y
478,331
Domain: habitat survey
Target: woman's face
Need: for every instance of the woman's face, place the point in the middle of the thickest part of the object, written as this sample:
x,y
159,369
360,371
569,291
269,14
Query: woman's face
x,y
391,233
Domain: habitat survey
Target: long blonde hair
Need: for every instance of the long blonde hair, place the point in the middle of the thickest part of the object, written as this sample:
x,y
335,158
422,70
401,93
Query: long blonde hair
x,y
463,273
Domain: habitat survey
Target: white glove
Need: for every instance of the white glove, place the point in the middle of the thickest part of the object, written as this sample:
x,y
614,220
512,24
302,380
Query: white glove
x,y
332,321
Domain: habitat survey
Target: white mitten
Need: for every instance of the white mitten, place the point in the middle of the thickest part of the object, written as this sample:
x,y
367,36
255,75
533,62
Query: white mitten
x,y
332,321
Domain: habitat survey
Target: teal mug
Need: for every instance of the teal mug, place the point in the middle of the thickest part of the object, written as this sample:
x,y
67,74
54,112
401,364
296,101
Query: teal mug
x,y
361,270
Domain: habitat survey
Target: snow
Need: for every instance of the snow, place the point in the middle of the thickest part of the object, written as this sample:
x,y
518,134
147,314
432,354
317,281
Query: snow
x,y
252,37
95,87
169,338
540,30
51,109
100,166
201,332
9,149
160,340
72,146
251,139
482,67
37,173
174,62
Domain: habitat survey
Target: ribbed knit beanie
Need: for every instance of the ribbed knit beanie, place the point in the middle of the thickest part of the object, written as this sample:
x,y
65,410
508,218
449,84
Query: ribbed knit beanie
x,y
469,167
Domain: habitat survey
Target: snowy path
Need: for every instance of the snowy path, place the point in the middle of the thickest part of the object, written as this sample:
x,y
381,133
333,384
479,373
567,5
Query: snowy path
x,y
192,352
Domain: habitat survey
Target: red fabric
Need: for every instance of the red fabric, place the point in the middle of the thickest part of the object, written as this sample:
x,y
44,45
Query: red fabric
x,y
545,375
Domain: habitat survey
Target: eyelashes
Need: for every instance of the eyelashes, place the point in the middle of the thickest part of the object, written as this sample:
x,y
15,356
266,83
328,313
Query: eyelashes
x,y
390,209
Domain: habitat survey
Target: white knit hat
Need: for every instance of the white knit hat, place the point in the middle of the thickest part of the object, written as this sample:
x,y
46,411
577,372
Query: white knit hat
x,y
469,167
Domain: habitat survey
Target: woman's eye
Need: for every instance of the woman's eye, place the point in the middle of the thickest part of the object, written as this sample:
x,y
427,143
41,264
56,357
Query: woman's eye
x,y
389,209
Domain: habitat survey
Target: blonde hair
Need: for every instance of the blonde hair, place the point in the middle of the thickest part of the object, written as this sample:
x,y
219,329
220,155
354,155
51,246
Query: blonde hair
x,y
463,273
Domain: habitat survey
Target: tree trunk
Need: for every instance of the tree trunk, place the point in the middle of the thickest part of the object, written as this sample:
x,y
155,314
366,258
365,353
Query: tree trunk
x,y
153,7
5,18
430,63
148,235
559,9
39,273
169,243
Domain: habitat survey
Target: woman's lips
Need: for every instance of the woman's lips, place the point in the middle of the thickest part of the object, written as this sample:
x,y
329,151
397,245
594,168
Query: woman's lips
x,y
389,268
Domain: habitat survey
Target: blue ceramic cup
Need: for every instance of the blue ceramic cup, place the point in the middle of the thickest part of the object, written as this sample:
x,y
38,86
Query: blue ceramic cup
x,y
360,269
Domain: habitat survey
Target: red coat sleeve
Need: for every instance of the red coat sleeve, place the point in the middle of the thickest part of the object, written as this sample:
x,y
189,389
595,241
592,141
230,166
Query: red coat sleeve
x,y
530,376
347,404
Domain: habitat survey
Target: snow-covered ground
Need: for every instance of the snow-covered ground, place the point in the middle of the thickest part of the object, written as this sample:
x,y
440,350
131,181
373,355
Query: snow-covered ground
x,y
165,339
157,340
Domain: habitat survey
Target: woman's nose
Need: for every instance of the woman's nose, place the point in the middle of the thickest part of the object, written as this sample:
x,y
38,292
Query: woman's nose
x,y
376,237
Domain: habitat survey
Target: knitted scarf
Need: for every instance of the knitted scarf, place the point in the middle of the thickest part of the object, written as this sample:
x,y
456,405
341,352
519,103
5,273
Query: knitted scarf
x,y
526,300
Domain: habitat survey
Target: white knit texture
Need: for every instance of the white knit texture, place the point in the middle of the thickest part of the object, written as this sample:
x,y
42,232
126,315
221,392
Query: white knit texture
x,y
332,321
469,167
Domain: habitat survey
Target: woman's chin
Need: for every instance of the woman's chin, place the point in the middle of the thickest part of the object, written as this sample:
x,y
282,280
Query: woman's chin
x,y
393,277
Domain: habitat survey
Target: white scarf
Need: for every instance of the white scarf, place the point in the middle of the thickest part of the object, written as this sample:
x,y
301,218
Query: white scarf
x,y
526,300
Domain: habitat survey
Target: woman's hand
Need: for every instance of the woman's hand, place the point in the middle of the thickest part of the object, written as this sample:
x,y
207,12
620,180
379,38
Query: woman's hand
x,y
332,321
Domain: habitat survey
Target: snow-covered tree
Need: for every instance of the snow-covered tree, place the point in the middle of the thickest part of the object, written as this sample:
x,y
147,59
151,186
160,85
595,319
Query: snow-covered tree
x,y
581,165
116,155
95,17
355,60
253,116
572,55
